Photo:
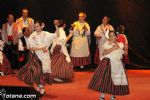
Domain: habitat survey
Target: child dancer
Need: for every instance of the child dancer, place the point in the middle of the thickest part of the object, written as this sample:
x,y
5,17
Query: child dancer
x,y
62,67
110,77
38,68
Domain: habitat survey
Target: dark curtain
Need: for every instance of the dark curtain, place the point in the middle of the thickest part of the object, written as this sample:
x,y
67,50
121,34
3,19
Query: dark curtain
x,y
134,14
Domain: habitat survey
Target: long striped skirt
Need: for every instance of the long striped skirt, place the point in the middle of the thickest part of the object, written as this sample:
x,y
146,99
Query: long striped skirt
x,y
80,61
32,72
102,80
96,56
60,67
5,67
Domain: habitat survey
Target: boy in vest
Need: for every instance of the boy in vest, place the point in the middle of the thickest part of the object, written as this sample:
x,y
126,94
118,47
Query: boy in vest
x,y
23,46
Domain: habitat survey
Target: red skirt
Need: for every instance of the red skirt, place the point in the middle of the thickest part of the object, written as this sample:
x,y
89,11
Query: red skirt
x,y
32,72
96,56
6,66
102,80
60,67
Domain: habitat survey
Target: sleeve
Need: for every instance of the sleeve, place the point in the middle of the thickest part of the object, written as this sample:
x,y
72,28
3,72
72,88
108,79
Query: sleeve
x,y
88,32
20,46
1,45
62,36
1,57
126,43
62,40
31,41
75,30
4,34
108,30
52,36
32,24
98,31
111,28
121,46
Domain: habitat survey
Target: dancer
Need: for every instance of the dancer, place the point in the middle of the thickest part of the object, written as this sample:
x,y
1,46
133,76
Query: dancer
x,y
122,38
80,54
38,68
101,34
110,77
62,67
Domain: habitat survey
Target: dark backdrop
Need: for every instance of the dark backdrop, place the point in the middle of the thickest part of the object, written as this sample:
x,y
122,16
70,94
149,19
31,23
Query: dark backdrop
x,y
133,13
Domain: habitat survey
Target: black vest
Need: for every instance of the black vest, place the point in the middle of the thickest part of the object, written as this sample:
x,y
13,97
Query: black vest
x,y
23,41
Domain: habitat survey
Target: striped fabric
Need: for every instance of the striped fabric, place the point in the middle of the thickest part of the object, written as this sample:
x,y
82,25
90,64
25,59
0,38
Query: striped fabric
x,y
5,67
32,72
102,80
80,61
60,67
96,56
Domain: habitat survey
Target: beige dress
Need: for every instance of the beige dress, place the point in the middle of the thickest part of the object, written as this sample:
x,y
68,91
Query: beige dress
x,y
79,53
80,46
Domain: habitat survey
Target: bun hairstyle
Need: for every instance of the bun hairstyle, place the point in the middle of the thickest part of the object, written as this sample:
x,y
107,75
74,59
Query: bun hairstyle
x,y
61,23
42,24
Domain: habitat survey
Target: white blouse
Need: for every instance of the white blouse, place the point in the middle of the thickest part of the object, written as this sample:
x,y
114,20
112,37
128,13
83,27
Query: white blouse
x,y
44,39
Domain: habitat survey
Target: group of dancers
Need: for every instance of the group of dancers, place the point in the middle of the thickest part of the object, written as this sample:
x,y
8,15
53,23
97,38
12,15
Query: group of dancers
x,y
42,57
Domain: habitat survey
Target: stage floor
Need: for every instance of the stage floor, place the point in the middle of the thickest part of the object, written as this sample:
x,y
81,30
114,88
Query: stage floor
x,y
139,85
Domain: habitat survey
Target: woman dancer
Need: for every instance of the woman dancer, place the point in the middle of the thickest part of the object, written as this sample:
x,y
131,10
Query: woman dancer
x,y
38,68
62,67
110,77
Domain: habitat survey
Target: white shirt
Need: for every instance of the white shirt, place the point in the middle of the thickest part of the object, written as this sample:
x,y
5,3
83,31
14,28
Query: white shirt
x,y
20,44
44,39
25,23
9,30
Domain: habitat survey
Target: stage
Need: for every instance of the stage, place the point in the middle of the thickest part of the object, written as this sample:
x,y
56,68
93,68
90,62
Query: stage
x,y
139,84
